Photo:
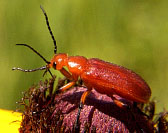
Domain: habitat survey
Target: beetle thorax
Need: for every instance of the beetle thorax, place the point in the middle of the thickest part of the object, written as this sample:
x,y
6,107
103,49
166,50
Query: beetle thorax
x,y
76,64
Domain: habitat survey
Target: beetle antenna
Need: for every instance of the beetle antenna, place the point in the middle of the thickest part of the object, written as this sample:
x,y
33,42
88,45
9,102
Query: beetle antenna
x,y
33,70
49,28
29,70
34,52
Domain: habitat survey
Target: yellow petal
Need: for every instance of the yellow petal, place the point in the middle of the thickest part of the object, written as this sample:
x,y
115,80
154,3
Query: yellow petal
x,y
10,121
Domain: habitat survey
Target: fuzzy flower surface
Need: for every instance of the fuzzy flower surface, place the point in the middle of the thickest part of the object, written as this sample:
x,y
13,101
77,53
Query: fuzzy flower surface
x,y
47,111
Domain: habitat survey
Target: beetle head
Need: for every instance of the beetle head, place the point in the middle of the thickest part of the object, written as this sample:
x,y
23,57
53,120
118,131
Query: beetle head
x,y
58,61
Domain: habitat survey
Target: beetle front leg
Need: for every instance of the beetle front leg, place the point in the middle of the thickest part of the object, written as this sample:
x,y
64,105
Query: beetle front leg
x,y
66,74
66,86
73,79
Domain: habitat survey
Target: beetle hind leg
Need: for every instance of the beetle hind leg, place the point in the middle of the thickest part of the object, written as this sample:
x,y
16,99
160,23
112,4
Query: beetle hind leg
x,y
119,103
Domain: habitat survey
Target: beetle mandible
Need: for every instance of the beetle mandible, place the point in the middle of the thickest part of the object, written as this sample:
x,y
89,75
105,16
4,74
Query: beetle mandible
x,y
104,77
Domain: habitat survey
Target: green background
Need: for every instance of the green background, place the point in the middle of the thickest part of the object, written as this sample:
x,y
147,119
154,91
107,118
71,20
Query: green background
x,y
131,33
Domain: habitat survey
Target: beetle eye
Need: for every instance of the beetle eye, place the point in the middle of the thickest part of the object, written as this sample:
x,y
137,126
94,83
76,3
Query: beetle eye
x,y
54,65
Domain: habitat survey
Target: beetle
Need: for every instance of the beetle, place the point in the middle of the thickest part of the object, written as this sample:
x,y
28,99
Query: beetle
x,y
106,78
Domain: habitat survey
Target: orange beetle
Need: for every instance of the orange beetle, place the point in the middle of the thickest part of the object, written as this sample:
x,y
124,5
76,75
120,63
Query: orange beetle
x,y
104,77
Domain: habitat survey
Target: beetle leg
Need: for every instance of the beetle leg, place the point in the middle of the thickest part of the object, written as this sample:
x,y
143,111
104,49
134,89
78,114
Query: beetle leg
x,y
123,105
82,102
84,95
77,123
73,79
66,86
119,103
66,73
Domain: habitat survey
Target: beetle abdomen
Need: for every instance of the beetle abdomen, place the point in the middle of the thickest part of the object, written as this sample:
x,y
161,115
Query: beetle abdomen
x,y
109,78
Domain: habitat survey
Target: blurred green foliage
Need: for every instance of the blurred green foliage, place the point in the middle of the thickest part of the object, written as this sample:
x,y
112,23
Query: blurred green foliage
x,y
130,33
